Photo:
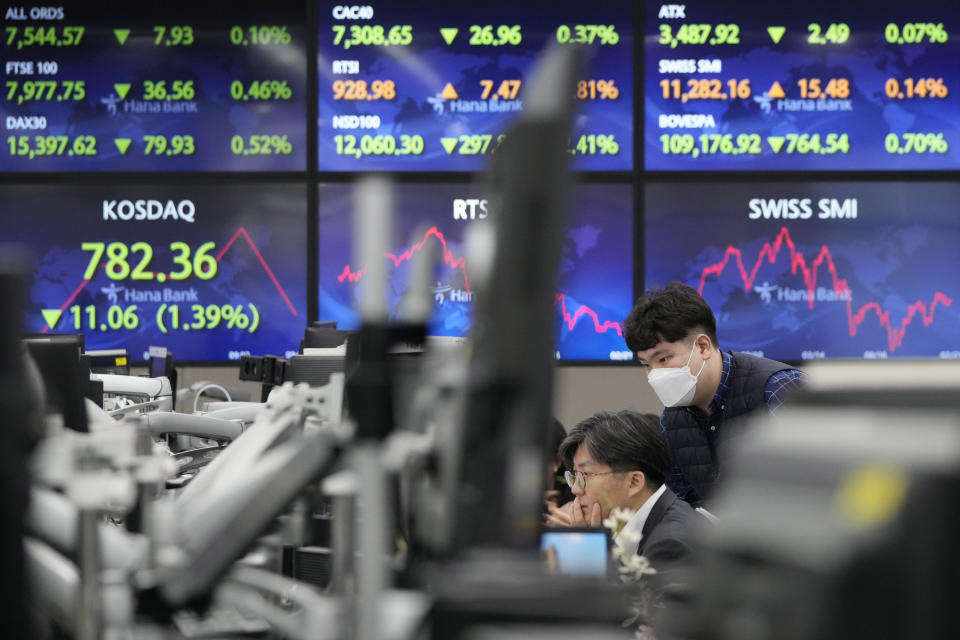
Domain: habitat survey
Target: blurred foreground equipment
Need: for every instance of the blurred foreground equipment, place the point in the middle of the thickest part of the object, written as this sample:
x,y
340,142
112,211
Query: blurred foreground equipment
x,y
838,519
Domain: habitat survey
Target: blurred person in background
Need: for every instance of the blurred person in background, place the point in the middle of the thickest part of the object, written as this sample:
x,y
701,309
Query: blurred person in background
x,y
558,492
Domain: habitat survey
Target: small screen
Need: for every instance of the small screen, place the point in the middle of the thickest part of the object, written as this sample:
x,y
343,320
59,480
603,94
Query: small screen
x,y
212,271
813,270
576,552
431,86
157,366
595,284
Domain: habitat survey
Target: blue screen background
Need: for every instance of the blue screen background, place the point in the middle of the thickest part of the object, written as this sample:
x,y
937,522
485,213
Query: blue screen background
x,y
595,290
53,220
866,59
212,62
897,259
422,69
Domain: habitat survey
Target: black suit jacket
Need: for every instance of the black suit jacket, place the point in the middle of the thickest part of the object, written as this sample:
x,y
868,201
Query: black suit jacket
x,y
669,536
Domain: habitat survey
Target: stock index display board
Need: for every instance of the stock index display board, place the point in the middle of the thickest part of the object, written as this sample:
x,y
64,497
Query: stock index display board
x,y
433,86
595,280
815,85
212,272
814,270
163,87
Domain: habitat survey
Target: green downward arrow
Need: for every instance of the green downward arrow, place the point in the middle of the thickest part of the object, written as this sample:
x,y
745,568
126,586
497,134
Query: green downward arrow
x,y
122,144
776,33
122,35
448,33
122,89
449,144
776,143
52,316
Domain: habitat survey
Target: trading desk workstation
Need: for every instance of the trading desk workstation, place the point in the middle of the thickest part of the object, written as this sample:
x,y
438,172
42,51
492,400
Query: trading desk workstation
x,y
290,291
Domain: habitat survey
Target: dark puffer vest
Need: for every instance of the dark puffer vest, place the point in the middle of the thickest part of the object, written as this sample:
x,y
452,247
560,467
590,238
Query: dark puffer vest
x,y
695,438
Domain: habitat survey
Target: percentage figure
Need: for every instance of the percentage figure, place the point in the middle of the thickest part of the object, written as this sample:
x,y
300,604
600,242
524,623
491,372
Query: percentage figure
x,y
261,90
916,143
916,32
593,89
261,144
608,89
259,34
235,316
281,144
587,34
936,87
608,34
916,88
608,144
281,89
592,144
280,35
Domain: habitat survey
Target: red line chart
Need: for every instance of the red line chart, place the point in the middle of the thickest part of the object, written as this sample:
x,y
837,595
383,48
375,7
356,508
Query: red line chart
x,y
349,275
771,251
239,232
243,232
452,262
584,310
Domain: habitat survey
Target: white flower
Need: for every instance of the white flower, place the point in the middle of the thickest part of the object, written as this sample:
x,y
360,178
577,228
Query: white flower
x,y
629,539
617,519
633,567
645,632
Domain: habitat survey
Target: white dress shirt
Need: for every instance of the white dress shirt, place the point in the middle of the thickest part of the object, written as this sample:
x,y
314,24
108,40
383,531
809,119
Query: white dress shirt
x,y
635,524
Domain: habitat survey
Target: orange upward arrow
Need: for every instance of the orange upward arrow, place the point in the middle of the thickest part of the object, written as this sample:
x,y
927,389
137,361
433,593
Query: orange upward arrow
x,y
449,93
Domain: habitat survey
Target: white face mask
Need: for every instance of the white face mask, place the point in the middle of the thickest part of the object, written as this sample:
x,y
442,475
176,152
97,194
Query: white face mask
x,y
675,386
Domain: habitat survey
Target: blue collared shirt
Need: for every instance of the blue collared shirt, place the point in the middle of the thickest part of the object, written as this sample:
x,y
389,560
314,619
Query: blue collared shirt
x,y
777,387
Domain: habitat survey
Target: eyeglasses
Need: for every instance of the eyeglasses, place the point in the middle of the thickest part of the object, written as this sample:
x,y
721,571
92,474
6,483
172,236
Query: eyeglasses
x,y
574,478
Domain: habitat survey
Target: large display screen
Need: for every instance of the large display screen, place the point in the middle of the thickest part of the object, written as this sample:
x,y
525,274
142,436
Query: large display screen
x,y
432,86
171,86
811,270
816,85
595,285
212,272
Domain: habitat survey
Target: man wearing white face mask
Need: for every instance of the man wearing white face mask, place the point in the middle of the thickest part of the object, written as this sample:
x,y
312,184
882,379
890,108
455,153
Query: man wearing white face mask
x,y
707,393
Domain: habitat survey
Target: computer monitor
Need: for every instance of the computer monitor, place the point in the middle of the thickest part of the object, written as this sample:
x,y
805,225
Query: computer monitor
x,y
160,365
579,551
65,379
316,367
323,336
113,361
72,338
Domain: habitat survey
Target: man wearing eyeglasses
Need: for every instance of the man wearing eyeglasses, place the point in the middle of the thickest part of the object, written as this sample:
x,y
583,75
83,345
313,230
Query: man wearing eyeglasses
x,y
620,460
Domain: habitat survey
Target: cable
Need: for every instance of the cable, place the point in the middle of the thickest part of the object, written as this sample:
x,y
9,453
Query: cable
x,y
209,385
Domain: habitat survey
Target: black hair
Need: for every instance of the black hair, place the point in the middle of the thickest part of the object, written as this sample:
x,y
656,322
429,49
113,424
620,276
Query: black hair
x,y
624,441
669,314
557,434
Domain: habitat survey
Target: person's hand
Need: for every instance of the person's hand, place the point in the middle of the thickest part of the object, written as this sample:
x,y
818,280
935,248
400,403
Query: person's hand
x,y
551,496
571,515
595,518
559,516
